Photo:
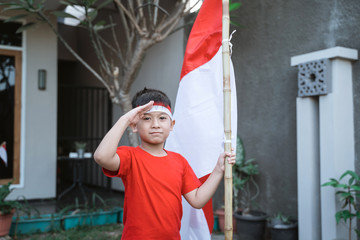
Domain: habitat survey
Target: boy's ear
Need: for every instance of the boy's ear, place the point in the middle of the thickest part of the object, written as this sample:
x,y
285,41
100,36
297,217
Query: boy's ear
x,y
172,125
133,128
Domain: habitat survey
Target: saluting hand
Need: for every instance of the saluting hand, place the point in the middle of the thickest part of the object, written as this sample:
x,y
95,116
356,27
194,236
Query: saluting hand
x,y
134,115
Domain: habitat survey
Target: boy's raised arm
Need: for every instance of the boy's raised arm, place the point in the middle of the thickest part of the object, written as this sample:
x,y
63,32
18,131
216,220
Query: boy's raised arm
x,y
105,154
200,196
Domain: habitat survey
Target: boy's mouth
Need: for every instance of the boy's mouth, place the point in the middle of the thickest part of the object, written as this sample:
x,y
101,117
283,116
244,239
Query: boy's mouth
x,y
156,133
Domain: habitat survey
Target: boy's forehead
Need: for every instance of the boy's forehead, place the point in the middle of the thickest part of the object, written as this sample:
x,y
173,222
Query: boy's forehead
x,y
161,109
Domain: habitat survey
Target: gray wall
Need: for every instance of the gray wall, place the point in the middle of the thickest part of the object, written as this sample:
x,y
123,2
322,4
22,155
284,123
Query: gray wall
x,y
271,33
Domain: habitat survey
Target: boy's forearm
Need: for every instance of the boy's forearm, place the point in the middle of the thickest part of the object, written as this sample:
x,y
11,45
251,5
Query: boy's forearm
x,y
205,192
106,150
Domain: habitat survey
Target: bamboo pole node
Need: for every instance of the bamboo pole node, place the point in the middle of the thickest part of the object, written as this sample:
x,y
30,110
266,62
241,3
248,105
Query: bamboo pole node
x,y
228,40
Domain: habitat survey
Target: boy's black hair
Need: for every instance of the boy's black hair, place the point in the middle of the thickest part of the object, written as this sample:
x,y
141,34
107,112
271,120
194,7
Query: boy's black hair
x,y
147,94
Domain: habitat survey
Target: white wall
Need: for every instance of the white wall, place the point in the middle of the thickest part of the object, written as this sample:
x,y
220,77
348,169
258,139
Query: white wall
x,y
39,117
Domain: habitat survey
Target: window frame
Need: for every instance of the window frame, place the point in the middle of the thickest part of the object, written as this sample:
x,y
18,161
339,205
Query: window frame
x,y
17,54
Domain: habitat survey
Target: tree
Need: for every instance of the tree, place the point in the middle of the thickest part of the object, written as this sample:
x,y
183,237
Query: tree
x,y
144,23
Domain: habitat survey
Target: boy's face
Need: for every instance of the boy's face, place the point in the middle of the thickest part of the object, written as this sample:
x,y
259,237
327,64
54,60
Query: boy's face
x,y
154,127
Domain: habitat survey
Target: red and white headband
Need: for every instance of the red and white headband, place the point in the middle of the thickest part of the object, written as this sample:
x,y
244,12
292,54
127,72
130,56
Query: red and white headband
x,y
160,107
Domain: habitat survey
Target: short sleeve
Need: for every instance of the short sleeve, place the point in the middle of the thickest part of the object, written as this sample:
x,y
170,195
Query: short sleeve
x,y
124,154
190,181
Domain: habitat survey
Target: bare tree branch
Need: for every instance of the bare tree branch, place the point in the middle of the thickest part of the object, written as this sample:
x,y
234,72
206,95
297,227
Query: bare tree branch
x,y
179,13
141,14
131,17
143,23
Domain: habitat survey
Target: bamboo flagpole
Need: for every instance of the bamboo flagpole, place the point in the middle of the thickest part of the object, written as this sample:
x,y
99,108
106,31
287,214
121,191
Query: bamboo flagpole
x,y
228,181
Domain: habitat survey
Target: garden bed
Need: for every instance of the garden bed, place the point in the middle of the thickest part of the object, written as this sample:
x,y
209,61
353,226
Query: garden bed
x,y
54,222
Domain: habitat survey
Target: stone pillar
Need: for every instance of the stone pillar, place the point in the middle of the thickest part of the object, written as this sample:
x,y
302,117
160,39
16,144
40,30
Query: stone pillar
x,y
325,137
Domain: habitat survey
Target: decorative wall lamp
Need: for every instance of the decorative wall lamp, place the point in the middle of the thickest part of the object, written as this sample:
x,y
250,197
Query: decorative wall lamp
x,y
42,79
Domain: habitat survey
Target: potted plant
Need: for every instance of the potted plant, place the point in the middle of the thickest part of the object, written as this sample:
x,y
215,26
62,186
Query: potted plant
x,y
283,227
347,192
250,224
7,209
80,148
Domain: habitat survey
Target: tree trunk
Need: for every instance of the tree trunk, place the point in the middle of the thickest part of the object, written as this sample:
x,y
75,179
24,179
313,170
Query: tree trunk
x,y
125,105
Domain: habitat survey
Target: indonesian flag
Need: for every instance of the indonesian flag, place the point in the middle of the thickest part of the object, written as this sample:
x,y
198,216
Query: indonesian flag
x,y
198,133
3,153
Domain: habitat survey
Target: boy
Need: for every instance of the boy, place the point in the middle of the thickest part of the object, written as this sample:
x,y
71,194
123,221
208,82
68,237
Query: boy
x,y
154,178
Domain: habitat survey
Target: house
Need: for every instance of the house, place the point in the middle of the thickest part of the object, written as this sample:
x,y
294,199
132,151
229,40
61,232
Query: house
x,y
299,141
36,52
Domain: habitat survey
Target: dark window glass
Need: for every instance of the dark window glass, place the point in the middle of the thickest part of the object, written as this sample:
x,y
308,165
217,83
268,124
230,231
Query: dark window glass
x,y
7,99
8,35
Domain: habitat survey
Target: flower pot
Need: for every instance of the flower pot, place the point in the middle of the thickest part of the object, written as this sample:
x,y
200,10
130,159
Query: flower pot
x,y
221,220
284,231
250,227
5,223
80,152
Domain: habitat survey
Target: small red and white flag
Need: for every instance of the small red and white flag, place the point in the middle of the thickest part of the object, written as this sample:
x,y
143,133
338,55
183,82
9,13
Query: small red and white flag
x,y
3,153
198,133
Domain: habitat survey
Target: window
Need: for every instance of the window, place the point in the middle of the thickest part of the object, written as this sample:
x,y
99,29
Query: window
x,y
8,35
10,102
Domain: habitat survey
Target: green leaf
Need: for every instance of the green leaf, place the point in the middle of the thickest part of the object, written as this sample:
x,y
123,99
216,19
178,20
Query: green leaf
x,y
90,2
9,4
234,6
74,2
351,173
63,14
332,182
14,18
357,232
342,186
338,217
103,4
235,23
345,214
345,194
355,187
66,3
100,23
240,151
25,27
92,15
351,180
15,8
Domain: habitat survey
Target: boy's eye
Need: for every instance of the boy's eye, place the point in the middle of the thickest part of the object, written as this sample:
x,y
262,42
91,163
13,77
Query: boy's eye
x,y
146,118
163,117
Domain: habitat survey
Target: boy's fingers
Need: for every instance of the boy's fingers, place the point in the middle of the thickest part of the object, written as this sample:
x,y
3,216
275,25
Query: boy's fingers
x,y
146,107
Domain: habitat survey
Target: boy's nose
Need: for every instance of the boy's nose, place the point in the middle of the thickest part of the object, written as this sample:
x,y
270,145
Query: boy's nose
x,y
155,123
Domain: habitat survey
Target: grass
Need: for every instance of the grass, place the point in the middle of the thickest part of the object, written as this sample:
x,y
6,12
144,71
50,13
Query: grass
x,y
104,232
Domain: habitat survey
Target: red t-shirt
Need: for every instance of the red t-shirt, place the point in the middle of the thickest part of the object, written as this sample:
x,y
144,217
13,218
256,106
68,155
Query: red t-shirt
x,y
153,189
